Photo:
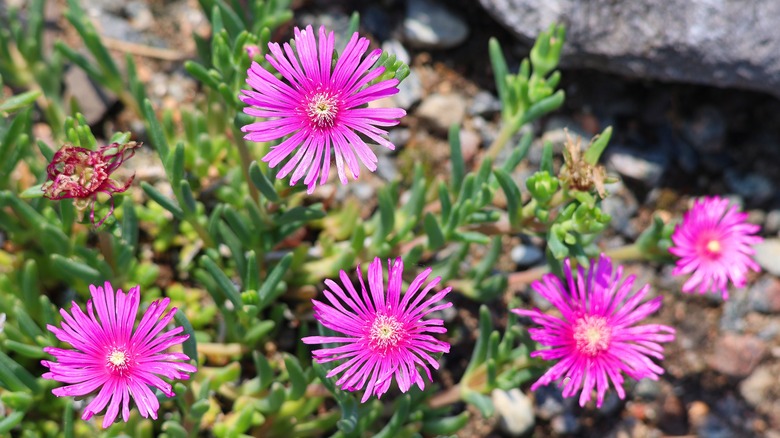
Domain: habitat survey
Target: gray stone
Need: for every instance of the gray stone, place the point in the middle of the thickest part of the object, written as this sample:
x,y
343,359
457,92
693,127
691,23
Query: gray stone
x,y
470,143
540,302
409,91
772,222
442,110
394,47
647,389
93,101
515,411
399,137
757,388
752,186
386,167
430,25
377,22
549,402
566,424
526,255
768,255
611,406
333,20
764,295
714,427
706,130
484,104
737,355
140,15
713,42
646,166
620,205
734,311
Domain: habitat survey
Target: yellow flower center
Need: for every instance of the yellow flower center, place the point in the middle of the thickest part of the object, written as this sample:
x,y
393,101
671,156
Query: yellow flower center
x,y
713,246
322,110
386,331
592,335
118,360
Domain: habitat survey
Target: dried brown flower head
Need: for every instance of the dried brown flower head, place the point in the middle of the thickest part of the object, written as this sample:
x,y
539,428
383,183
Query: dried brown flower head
x,y
577,173
80,174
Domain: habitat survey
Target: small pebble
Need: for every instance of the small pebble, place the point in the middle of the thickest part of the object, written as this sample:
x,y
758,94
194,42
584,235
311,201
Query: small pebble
x,y
737,355
526,255
430,25
515,411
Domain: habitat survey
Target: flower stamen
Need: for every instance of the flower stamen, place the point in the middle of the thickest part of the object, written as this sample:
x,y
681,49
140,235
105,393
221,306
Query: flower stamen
x,y
713,246
322,110
592,334
385,333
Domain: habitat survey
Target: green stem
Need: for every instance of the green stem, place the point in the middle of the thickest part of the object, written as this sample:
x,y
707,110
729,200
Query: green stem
x,y
246,158
201,230
627,252
506,133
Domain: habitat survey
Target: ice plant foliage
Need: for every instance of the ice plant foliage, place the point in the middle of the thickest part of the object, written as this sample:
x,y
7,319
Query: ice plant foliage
x,y
80,174
715,245
596,339
383,334
320,106
109,356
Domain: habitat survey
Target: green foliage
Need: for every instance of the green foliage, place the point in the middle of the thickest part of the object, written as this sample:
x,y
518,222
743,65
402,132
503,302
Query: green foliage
x,y
240,253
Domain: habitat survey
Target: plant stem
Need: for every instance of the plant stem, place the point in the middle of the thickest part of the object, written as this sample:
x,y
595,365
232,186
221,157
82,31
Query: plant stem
x,y
202,232
627,252
506,133
246,158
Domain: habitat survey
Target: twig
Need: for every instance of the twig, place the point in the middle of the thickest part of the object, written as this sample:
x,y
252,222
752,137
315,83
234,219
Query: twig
x,y
528,276
144,50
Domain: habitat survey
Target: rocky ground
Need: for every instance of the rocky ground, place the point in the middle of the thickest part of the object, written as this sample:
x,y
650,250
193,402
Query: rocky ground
x,y
671,141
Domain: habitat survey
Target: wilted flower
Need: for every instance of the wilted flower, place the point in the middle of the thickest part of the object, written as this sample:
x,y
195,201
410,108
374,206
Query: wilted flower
x,y
319,106
577,173
108,355
596,338
81,174
383,335
715,243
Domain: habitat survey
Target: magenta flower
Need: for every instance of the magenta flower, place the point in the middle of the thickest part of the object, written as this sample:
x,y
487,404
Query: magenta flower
x,y
714,243
107,354
319,107
383,335
80,174
596,338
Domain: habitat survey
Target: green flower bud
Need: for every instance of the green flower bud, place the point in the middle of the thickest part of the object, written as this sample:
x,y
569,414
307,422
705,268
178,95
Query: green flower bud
x,y
542,186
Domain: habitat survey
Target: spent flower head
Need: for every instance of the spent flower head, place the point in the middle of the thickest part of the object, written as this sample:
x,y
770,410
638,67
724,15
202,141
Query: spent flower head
x,y
715,245
577,172
596,339
80,174
108,356
320,106
383,334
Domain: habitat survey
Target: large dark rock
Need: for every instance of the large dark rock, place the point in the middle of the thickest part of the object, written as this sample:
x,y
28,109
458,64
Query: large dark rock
x,y
727,43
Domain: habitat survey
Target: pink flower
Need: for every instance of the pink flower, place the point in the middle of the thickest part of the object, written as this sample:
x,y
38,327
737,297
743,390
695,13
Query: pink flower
x,y
80,174
714,243
383,335
107,354
596,339
319,107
